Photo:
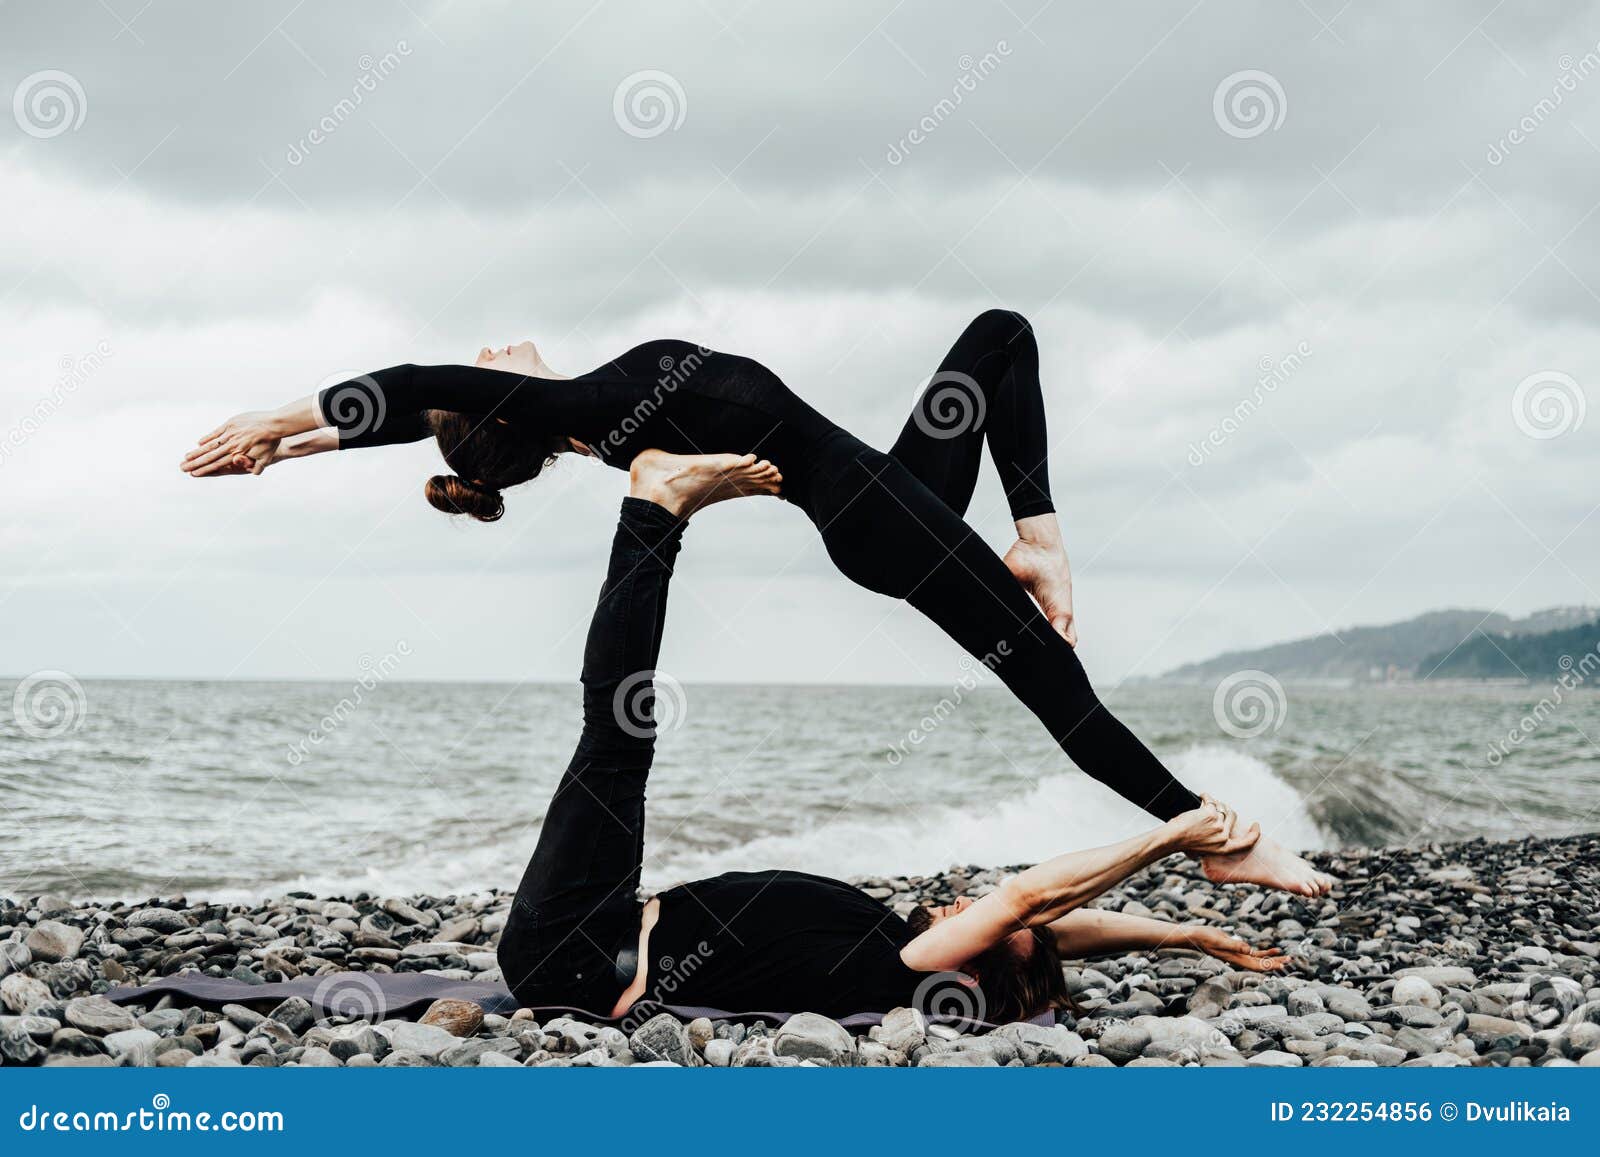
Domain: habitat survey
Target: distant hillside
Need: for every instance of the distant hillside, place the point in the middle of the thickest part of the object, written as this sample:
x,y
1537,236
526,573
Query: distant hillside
x,y
1486,656
1393,651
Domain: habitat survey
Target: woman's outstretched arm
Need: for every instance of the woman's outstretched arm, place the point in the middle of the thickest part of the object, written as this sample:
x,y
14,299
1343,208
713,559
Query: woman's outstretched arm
x,y
255,437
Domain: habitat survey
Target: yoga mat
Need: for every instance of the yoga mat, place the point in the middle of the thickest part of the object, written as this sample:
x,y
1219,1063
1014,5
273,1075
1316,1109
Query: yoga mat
x,y
382,995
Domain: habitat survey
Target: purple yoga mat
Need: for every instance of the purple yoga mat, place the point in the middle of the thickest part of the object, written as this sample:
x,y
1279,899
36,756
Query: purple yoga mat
x,y
381,995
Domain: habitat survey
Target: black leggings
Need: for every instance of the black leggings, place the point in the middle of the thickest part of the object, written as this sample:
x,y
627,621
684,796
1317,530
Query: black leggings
x,y
894,524
577,903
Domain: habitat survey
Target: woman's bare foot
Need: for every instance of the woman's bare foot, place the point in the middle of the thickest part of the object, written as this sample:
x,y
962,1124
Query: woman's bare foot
x,y
686,483
1239,953
1039,562
1269,864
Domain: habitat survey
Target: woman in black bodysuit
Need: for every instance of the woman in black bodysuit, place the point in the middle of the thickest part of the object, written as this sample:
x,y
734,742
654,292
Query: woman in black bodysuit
x,y
892,522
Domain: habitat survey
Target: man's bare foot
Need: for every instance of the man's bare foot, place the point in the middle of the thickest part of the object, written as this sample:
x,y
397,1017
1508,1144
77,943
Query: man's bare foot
x,y
685,483
1039,562
1239,953
1269,864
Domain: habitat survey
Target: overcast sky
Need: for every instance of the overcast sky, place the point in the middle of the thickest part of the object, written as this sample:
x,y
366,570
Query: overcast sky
x,y
210,208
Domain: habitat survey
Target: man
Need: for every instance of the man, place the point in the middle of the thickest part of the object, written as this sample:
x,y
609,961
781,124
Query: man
x,y
779,941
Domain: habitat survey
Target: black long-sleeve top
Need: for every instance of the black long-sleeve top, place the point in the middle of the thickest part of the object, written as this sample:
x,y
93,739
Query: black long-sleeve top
x,y
666,395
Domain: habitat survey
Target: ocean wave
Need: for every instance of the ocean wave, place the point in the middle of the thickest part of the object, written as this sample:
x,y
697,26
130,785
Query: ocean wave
x,y
1059,813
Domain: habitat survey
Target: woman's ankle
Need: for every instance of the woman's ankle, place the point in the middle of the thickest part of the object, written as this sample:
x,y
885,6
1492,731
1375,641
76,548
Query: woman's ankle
x,y
1041,530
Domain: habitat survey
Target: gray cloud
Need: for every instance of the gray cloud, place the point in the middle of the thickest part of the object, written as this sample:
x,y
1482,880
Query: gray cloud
x,y
847,184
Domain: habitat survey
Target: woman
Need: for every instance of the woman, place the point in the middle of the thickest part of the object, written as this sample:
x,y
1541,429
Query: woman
x,y
781,941
891,522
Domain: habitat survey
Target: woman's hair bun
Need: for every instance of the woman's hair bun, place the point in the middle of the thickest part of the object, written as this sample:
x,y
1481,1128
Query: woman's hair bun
x,y
455,495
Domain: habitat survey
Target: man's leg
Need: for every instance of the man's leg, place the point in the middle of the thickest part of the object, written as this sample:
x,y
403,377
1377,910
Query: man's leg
x,y
577,896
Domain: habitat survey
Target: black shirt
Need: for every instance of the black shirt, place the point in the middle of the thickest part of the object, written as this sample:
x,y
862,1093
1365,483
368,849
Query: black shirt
x,y
667,395
779,941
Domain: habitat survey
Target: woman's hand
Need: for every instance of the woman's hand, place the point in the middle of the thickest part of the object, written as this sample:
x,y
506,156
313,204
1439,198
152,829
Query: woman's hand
x,y
1210,829
246,443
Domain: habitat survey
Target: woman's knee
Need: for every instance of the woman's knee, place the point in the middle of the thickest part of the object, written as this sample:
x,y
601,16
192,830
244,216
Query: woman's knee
x,y
1006,325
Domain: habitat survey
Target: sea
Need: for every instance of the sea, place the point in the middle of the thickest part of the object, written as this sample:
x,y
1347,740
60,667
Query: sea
x,y
237,791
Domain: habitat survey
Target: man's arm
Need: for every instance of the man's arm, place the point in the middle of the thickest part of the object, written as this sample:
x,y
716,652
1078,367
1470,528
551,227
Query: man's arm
x,y
1048,891
1096,932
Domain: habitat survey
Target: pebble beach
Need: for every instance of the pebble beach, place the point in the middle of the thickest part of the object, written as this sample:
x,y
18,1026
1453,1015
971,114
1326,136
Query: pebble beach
x,y
1479,953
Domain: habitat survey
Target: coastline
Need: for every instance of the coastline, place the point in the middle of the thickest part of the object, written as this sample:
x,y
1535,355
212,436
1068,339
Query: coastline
x,y
1474,953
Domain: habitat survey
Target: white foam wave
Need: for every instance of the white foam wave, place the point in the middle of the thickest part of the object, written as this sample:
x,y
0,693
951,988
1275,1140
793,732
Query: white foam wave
x,y
1060,813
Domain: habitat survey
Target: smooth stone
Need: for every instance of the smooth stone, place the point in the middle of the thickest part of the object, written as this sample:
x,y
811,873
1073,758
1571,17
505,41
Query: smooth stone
x,y
426,1041
163,920
903,1029
1274,1059
1121,1043
719,1052
52,941
295,1014
163,1021
700,1031
814,1037
22,993
1415,990
245,1018
1038,1044
131,1042
662,1038
96,1014
1345,1003
1441,976
958,1059
75,1042
353,1040
467,1053
460,1018
406,1059
17,1047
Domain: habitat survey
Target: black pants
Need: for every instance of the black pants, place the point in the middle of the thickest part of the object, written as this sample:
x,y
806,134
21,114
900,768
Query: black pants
x,y
577,901
894,523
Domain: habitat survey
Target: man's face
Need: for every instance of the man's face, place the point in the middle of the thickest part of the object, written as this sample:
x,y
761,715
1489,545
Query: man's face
x,y
921,919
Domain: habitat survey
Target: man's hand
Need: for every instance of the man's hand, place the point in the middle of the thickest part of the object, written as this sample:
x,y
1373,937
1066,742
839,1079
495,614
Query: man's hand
x,y
1210,829
1239,953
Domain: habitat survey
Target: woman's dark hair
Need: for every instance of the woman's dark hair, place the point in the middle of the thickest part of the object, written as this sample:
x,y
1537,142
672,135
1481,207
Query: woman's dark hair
x,y
488,455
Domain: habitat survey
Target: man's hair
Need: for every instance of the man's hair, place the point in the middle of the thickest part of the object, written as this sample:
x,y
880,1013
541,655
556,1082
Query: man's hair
x,y
1017,986
1013,986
